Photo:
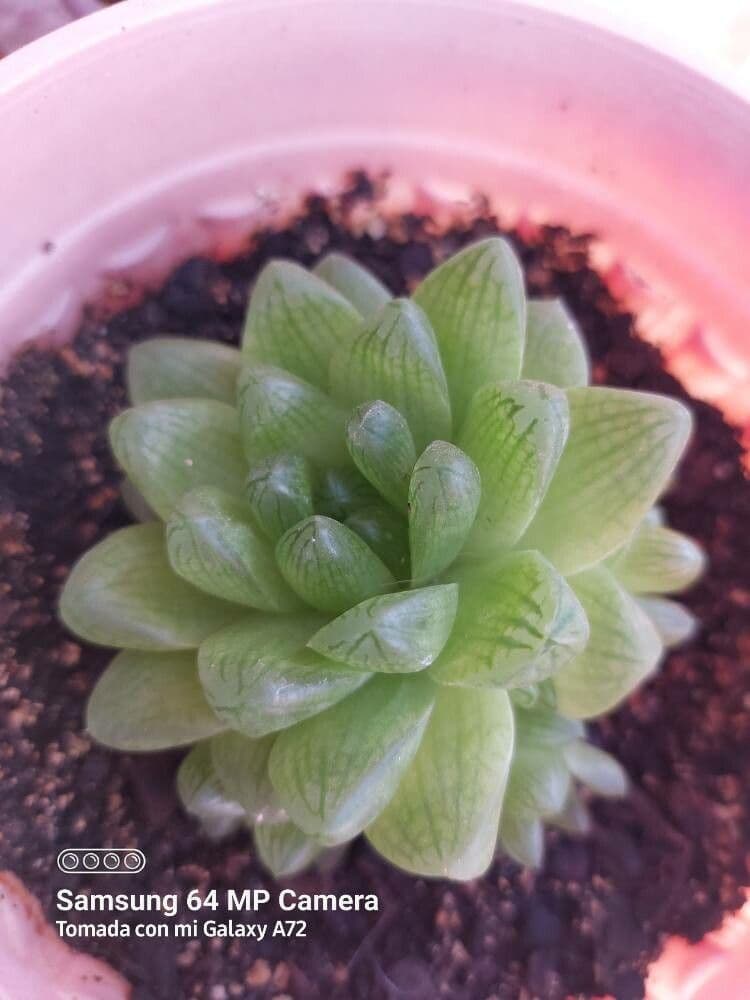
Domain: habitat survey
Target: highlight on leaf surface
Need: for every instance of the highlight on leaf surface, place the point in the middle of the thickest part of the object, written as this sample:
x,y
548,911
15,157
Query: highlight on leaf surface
x,y
393,552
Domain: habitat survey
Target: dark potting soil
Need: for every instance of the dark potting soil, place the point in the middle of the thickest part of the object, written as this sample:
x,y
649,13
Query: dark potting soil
x,y
669,859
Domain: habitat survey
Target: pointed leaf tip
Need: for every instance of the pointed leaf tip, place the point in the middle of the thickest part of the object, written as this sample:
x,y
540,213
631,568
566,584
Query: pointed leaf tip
x,y
476,304
555,351
623,648
395,358
382,447
259,678
336,772
515,432
280,412
297,321
358,285
171,446
443,819
279,490
395,633
124,593
329,566
212,545
150,701
518,623
622,448
444,494
182,368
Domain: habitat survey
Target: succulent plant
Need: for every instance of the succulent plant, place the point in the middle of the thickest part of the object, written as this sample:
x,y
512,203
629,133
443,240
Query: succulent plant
x,y
393,553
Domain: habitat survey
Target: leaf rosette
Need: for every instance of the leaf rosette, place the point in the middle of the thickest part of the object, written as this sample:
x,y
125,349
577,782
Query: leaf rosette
x,y
392,554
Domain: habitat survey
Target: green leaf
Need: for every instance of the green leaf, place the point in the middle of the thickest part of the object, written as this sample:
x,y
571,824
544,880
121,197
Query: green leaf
x,y
123,592
284,849
150,701
657,560
595,768
623,447
211,544
672,621
443,819
476,304
354,282
538,784
203,796
515,432
381,445
395,633
395,359
329,566
340,492
182,368
540,727
336,772
169,447
622,651
444,494
522,838
574,816
297,322
518,622
258,676
281,413
387,534
134,503
555,351
280,493
241,766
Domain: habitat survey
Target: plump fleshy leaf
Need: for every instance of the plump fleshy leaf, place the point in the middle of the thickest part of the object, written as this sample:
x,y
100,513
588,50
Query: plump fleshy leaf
x,y
554,351
123,592
518,622
475,302
387,534
171,446
522,838
329,566
444,495
284,849
182,368
150,701
134,503
212,544
538,783
259,677
622,448
515,432
394,633
279,490
281,413
342,491
623,648
241,766
657,560
297,321
358,285
595,768
335,773
541,727
395,358
203,796
674,623
382,447
443,819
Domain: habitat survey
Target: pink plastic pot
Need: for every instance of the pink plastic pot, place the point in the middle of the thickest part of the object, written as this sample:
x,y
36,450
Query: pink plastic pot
x,y
152,131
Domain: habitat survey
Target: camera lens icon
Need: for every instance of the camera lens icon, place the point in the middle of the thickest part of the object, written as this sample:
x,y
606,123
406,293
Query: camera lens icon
x,y
101,861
